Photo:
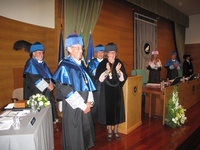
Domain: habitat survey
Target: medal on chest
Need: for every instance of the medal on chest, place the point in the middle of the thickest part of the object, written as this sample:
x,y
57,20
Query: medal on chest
x,y
110,75
86,81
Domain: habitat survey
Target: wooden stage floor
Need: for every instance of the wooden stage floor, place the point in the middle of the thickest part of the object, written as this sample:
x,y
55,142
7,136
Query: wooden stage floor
x,y
152,135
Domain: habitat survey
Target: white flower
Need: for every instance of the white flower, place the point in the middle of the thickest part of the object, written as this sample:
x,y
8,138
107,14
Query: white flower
x,y
38,95
28,101
41,103
48,102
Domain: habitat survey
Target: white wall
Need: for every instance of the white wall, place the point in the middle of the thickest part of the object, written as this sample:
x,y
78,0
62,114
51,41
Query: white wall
x,y
193,32
36,12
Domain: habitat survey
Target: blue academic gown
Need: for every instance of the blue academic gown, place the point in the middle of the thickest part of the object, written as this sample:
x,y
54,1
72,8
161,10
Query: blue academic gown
x,y
95,109
34,72
92,65
78,129
172,73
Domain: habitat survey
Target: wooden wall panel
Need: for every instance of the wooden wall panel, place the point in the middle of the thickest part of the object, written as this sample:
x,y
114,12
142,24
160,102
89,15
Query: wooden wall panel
x,y
12,62
18,77
194,51
165,42
115,24
6,86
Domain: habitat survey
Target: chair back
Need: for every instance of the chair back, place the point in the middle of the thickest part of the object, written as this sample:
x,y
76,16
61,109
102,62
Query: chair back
x,y
140,72
18,93
180,73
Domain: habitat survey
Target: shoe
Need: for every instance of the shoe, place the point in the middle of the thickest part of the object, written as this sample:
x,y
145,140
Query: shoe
x,y
109,138
117,137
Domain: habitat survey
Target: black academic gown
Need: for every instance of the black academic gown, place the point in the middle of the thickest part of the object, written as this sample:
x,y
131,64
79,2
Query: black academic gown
x,y
30,89
171,73
154,74
186,67
77,127
111,99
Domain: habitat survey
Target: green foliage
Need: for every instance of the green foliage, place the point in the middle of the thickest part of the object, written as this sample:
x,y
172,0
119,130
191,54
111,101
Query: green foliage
x,y
175,116
41,100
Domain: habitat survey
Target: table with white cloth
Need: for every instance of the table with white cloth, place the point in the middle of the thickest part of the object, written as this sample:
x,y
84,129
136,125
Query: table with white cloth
x,y
38,137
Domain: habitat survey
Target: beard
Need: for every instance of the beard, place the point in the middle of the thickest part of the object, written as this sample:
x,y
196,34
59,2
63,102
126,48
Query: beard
x,y
39,58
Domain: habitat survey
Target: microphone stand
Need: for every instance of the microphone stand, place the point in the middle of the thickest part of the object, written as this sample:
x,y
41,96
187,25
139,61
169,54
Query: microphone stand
x,y
130,67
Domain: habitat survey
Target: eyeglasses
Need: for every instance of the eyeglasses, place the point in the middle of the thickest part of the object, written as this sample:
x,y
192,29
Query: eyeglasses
x,y
77,47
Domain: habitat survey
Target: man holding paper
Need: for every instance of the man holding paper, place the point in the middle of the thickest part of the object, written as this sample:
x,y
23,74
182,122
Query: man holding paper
x,y
74,87
37,77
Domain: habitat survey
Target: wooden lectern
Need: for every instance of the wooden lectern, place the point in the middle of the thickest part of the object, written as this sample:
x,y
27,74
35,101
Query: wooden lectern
x,y
132,101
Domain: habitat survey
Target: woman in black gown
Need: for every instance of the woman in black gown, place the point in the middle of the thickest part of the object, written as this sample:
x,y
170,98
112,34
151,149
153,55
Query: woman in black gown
x,y
112,75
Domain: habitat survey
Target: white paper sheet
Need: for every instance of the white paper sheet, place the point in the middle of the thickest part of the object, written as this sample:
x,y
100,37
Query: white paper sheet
x,y
9,106
5,126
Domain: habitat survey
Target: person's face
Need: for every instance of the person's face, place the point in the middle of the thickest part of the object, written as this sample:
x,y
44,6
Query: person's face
x,y
38,55
188,58
173,57
100,54
76,51
155,56
111,55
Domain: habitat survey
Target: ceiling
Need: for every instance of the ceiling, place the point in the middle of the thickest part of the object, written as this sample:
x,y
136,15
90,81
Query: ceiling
x,y
188,7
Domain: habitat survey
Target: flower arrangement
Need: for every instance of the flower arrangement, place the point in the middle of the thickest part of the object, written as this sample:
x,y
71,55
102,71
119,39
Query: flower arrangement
x,y
41,101
175,116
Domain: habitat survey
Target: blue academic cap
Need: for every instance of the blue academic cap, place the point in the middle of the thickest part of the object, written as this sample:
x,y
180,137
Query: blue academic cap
x,y
99,47
173,53
73,39
37,46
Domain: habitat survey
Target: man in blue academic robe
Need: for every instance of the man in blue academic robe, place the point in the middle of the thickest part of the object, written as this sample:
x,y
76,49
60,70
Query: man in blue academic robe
x,y
91,69
74,87
172,66
37,77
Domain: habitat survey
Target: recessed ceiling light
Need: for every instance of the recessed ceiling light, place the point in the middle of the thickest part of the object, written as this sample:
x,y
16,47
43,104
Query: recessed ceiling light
x,y
180,4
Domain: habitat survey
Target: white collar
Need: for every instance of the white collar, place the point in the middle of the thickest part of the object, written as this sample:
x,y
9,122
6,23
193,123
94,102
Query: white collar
x,y
100,60
78,61
173,59
40,61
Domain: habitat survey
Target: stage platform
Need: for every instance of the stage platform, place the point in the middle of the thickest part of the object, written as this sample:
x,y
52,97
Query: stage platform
x,y
151,135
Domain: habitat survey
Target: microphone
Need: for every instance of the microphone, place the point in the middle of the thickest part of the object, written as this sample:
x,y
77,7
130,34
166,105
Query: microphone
x,y
130,67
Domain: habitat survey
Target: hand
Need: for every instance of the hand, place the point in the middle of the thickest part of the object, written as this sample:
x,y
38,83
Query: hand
x,y
118,67
87,110
108,66
50,87
175,64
